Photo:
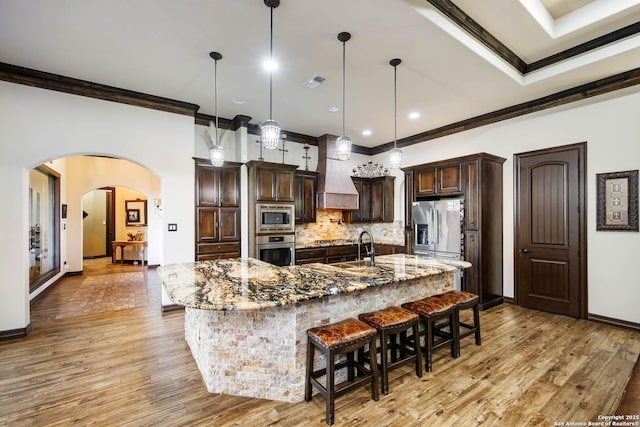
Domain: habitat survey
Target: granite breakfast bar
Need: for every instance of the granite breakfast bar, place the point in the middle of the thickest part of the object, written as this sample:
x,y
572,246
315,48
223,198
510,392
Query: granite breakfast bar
x,y
246,320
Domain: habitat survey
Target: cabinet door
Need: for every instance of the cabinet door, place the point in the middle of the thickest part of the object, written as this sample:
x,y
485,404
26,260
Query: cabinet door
x,y
229,187
305,198
425,181
472,255
365,202
284,183
388,193
409,198
229,224
471,193
449,179
265,185
206,186
377,201
207,226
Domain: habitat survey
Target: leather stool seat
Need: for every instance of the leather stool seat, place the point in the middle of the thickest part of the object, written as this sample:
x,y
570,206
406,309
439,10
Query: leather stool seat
x,y
430,310
344,337
391,322
464,301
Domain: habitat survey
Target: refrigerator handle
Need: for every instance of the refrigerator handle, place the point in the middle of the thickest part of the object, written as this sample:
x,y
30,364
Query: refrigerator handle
x,y
435,228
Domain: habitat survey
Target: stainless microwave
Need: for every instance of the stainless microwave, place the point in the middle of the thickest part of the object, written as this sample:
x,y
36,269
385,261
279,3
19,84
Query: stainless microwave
x,y
271,218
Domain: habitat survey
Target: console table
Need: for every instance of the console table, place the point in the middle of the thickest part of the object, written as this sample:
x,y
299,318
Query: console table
x,y
139,245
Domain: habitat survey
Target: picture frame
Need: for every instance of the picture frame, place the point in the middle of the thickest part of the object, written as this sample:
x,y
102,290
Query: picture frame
x,y
136,213
133,216
617,201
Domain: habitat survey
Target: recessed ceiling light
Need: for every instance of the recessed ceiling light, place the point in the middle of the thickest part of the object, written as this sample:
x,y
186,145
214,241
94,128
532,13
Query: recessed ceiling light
x,y
270,65
334,109
414,115
366,132
238,101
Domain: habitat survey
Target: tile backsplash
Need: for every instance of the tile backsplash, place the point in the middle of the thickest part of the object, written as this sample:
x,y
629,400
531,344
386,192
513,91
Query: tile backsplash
x,y
329,226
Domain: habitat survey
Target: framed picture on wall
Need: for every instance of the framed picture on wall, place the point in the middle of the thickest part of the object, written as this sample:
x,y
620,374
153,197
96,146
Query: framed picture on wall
x,y
617,198
136,211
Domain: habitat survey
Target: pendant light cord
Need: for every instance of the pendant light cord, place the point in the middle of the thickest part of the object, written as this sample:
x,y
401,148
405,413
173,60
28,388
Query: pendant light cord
x,y
395,104
215,90
271,68
343,85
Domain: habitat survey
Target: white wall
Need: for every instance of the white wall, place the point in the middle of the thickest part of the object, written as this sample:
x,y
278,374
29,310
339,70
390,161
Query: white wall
x,y
610,124
38,125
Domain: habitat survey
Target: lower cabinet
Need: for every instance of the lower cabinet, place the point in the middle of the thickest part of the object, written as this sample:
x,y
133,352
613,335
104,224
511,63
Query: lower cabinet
x,y
309,255
329,254
384,249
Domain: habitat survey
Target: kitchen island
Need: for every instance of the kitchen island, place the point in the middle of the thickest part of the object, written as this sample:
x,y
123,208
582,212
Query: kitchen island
x,y
246,320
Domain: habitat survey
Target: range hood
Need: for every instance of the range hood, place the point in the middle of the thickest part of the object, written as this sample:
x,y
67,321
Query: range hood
x,y
335,188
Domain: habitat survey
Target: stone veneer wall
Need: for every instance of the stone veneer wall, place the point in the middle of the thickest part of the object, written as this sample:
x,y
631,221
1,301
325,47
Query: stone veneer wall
x,y
329,226
261,353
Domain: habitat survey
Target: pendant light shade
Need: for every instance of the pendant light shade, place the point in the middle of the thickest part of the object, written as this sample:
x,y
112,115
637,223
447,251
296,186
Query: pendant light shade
x,y
343,143
270,129
216,152
395,155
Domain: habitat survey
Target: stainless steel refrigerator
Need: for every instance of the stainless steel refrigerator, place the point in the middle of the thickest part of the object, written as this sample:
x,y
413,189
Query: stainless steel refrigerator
x,y
438,230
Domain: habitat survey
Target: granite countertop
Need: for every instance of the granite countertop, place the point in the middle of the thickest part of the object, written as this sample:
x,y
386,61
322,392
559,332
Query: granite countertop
x,y
249,284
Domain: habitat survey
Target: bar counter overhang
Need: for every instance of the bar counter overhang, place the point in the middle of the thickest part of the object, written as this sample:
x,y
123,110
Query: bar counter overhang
x,y
246,320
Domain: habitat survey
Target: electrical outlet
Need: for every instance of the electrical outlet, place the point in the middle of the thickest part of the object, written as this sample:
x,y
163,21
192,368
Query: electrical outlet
x,y
173,227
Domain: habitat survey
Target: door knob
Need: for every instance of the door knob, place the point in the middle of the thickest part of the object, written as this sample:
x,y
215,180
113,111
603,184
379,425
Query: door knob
x,y
524,251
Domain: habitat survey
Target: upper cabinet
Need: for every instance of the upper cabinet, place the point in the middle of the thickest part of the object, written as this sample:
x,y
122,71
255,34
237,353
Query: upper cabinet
x,y
305,190
375,199
442,179
273,182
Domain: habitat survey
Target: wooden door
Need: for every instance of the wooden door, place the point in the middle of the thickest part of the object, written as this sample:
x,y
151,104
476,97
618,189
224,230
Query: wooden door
x,y
229,187
550,267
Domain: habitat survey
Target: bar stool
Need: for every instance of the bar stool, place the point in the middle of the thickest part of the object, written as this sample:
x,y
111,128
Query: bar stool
x,y
391,322
430,310
344,337
464,301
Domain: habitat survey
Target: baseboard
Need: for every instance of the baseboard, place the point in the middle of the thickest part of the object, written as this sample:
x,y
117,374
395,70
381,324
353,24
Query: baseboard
x,y
15,333
509,300
614,322
152,266
74,273
171,307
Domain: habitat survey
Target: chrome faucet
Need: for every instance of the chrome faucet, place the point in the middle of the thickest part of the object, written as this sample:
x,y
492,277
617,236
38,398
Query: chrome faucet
x,y
372,253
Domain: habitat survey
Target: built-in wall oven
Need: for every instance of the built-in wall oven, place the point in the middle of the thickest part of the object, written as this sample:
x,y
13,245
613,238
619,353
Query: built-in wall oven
x,y
275,218
277,249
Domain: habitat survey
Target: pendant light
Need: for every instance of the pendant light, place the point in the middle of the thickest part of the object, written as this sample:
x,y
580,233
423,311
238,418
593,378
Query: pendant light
x,y
343,143
216,153
395,155
270,129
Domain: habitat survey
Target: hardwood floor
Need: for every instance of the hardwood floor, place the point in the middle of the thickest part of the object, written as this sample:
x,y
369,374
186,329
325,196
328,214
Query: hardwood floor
x,y
123,362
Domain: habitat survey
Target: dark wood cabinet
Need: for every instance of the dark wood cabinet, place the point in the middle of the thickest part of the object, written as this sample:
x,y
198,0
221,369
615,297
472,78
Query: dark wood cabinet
x,y
329,254
385,249
305,190
434,180
272,182
217,210
375,199
479,179
309,255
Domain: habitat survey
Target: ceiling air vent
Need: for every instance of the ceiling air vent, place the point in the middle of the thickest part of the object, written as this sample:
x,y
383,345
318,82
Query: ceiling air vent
x,y
315,81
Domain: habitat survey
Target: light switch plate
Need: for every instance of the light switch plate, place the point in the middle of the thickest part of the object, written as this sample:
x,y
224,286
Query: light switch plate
x,y
173,227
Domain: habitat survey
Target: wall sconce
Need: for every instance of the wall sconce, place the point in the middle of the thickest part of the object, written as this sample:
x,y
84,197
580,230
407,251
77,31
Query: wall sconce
x,y
157,202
